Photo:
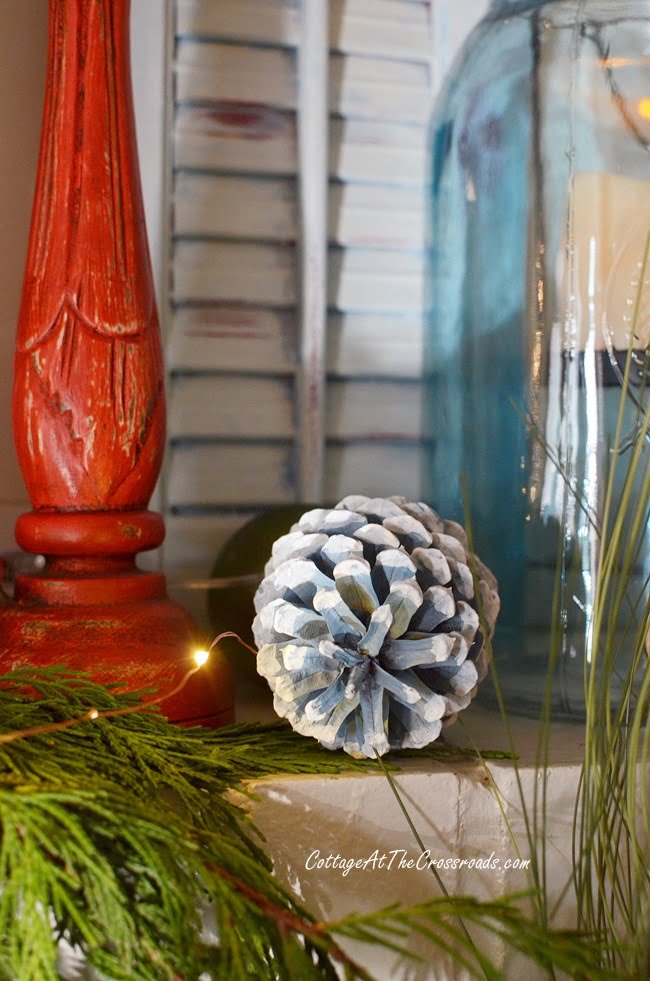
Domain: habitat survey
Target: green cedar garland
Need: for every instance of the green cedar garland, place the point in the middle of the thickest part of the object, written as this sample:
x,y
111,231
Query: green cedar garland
x,y
115,833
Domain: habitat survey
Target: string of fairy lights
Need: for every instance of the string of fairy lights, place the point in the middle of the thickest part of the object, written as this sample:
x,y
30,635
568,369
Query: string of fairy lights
x,y
200,659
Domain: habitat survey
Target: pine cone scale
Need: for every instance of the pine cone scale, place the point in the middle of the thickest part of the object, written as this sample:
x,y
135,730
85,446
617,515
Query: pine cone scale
x,y
367,624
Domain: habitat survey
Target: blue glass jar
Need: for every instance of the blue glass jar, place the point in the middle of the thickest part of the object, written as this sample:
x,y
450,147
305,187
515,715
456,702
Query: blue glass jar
x,y
540,210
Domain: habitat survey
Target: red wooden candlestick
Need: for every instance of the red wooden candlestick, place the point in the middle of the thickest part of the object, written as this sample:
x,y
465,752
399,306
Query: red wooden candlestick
x,y
89,407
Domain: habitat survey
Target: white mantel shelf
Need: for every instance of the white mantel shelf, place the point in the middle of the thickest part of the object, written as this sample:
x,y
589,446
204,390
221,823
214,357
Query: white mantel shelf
x,y
456,814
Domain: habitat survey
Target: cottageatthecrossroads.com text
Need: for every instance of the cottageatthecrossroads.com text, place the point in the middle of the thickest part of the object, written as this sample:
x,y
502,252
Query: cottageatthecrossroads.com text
x,y
399,859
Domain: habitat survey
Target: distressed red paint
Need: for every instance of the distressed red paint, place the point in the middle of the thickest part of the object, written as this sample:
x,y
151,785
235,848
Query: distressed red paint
x,y
259,121
89,408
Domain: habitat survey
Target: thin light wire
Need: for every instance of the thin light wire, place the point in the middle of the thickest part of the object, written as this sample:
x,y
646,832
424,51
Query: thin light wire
x,y
93,714
220,582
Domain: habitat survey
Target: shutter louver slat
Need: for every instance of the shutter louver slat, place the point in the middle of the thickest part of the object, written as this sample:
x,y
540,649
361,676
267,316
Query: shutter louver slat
x,y
219,138
210,407
213,407
235,207
236,271
221,338
375,345
361,280
248,208
237,475
209,476
364,88
233,347
381,468
388,28
230,137
232,73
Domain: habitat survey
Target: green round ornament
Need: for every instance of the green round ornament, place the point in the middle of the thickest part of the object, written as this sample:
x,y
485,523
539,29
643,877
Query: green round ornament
x,y
245,554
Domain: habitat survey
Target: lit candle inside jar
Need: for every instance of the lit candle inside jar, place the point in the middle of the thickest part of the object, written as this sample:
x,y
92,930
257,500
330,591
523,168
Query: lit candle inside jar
x,y
611,222
602,307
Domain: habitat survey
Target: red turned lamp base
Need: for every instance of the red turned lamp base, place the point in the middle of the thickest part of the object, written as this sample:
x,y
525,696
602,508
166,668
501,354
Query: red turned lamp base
x,y
98,613
143,645
88,403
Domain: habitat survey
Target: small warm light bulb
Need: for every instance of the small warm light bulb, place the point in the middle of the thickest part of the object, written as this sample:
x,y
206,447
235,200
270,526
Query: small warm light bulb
x,y
643,108
93,714
201,658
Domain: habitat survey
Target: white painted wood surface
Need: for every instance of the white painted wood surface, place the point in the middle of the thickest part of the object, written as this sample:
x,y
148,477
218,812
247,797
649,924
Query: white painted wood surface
x,y
222,338
230,138
230,474
375,345
389,28
313,137
217,406
365,88
359,280
206,406
458,817
235,475
242,237
265,208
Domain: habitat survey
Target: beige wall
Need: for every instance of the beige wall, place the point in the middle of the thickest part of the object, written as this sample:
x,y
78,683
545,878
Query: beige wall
x,y
23,36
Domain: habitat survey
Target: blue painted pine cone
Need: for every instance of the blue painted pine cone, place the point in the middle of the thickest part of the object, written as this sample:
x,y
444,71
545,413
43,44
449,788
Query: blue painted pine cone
x,y
367,625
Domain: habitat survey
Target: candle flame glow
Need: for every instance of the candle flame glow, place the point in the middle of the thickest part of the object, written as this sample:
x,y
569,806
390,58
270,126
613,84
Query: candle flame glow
x,y
643,108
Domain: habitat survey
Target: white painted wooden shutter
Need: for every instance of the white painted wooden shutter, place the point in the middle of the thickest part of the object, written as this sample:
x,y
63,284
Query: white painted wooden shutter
x,y
241,248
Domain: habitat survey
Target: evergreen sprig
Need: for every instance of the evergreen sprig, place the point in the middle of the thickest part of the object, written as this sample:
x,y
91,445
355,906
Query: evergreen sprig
x,y
121,838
